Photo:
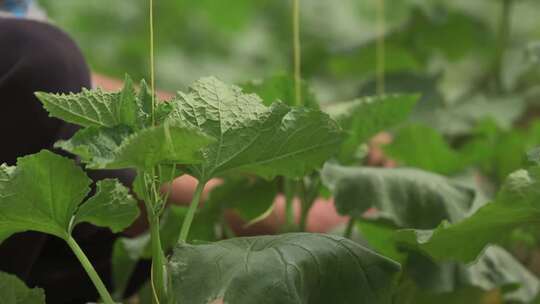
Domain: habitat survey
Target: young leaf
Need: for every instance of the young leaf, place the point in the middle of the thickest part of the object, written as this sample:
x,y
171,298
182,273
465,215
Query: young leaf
x,y
88,109
126,108
251,137
111,206
14,291
285,269
515,206
117,148
44,192
365,117
404,196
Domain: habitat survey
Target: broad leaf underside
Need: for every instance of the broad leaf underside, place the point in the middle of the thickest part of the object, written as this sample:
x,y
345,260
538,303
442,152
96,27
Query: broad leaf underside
x,y
285,269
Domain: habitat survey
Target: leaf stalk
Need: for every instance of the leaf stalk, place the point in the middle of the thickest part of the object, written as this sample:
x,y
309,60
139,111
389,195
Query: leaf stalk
x,y
90,270
191,212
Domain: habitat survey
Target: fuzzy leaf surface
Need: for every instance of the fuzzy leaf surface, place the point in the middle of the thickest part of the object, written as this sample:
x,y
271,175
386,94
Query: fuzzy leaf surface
x,y
116,148
285,269
14,291
251,137
90,108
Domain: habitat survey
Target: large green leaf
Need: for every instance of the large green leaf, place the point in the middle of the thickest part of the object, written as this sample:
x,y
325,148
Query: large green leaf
x,y
515,206
290,268
44,192
365,117
14,291
404,196
115,148
252,137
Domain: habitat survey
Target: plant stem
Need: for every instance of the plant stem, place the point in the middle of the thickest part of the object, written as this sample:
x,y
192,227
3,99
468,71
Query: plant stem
x,y
288,188
191,212
102,290
381,52
152,64
158,262
349,229
297,53
504,35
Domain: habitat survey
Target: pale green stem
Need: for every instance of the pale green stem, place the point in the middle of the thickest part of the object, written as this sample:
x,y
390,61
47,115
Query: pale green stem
x,y
158,262
191,212
381,51
94,277
297,53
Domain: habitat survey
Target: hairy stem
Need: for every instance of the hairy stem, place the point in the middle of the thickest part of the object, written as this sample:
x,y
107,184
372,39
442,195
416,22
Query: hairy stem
x,y
191,212
381,52
297,53
349,229
96,280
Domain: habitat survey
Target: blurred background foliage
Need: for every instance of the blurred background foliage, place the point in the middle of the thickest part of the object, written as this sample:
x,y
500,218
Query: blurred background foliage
x,y
446,44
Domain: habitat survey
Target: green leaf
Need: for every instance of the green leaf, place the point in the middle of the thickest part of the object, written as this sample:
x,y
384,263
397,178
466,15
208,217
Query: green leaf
x,y
281,88
251,137
365,117
112,206
126,108
14,291
515,206
256,199
93,108
5,174
126,253
118,148
424,148
497,268
289,268
44,193
462,118
406,197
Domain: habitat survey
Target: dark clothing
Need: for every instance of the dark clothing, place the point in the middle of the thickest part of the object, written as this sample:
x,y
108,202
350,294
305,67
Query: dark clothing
x,y
34,57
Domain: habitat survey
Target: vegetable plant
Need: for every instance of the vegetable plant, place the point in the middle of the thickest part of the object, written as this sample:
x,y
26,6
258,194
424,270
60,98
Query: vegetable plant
x,y
438,228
